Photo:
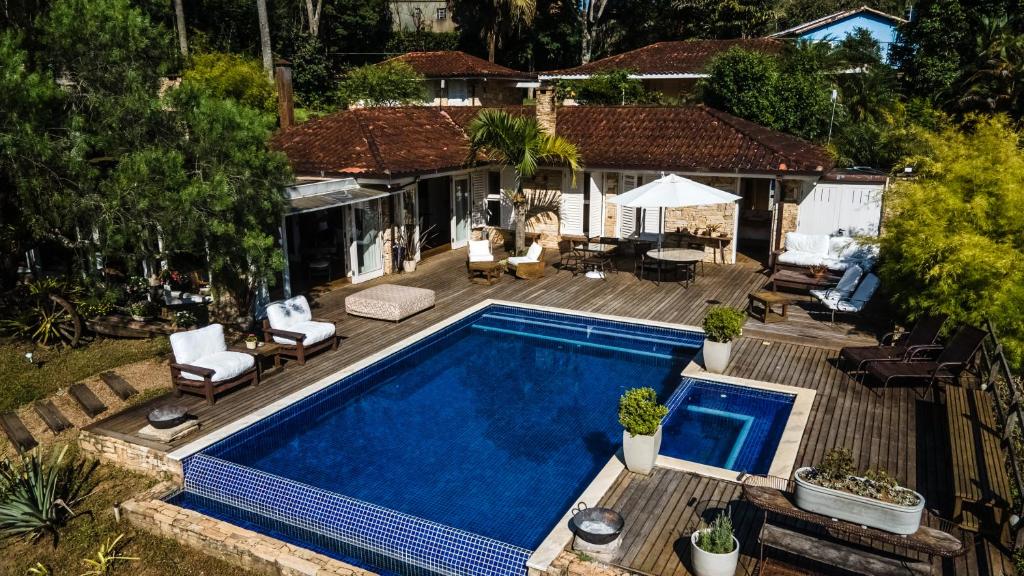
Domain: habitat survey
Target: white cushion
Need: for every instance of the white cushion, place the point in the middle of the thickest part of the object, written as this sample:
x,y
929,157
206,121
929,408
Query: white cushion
x,y
517,260
839,244
861,296
534,252
286,313
797,258
849,281
813,243
827,297
194,344
226,365
480,251
314,331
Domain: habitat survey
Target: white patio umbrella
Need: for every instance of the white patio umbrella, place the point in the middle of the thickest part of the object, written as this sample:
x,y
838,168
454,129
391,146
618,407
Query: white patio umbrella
x,y
672,192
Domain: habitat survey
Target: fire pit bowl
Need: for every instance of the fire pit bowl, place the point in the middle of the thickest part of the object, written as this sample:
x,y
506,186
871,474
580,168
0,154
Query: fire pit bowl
x,y
168,416
596,525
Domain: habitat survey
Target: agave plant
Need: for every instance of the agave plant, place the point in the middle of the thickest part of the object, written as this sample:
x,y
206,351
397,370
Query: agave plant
x,y
107,556
36,496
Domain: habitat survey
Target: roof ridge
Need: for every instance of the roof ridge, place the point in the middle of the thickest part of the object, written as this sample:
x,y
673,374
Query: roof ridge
x,y
371,142
729,119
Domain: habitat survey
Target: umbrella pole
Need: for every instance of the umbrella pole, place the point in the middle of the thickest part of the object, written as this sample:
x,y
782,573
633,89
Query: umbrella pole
x,y
661,225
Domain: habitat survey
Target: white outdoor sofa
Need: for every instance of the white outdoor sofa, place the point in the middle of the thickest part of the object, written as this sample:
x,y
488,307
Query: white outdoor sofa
x,y
203,365
837,253
290,324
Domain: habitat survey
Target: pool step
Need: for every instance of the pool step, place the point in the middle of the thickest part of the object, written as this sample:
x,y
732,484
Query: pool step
x,y
581,332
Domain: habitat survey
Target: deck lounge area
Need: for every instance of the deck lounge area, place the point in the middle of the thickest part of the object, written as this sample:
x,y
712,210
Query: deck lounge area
x,y
896,430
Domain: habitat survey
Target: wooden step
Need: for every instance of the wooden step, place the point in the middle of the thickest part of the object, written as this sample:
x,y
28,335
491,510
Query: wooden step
x,y
17,433
90,404
53,417
839,555
118,385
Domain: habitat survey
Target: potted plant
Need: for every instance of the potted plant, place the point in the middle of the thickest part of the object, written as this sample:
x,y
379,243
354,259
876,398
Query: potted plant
x,y
640,415
251,341
140,311
722,325
408,244
872,498
817,271
713,229
714,550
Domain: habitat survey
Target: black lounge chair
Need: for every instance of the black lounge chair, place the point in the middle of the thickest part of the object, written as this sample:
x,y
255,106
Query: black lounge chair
x,y
951,361
923,333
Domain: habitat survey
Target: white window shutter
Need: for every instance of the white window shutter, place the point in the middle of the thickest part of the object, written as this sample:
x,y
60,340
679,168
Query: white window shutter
x,y
596,215
571,215
651,216
478,183
627,216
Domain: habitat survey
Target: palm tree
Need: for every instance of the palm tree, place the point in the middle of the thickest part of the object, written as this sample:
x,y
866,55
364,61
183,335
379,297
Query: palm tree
x,y
518,142
518,11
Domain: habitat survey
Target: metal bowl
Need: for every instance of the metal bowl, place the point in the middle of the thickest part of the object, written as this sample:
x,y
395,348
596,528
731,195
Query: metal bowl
x,y
167,416
596,525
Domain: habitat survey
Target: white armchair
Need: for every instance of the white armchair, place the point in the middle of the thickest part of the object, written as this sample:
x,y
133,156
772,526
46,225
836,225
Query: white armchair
x,y
480,251
290,324
203,364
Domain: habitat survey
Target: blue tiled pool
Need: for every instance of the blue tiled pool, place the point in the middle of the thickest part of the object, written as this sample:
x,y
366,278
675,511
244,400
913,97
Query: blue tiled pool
x,y
459,453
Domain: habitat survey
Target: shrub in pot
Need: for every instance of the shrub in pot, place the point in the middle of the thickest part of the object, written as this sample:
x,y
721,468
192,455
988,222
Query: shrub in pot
x,y
714,550
640,415
833,488
722,325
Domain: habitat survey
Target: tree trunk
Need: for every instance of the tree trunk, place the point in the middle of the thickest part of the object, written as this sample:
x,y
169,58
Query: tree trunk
x,y
492,42
179,19
313,14
520,208
268,59
586,43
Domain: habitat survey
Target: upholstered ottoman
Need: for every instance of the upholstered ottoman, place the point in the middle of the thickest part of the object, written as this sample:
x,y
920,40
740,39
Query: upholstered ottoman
x,y
389,302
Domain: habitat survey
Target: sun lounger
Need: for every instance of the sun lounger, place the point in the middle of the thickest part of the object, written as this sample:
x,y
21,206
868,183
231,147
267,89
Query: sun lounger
x,y
923,333
950,362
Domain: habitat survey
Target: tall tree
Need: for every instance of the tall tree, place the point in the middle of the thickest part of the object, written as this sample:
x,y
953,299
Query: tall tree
x,y
507,13
591,12
313,16
268,58
179,21
518,142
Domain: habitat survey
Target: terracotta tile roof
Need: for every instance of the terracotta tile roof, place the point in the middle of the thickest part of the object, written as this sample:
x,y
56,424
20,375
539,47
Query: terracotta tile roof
x,y
454,64
382,142
668,58
375,142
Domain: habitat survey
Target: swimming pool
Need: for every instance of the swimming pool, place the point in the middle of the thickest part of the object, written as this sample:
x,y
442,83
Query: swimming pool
x,y
457,454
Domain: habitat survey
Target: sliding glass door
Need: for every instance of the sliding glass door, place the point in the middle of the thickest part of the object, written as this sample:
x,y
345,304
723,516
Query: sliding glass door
x,y
461,213
367,249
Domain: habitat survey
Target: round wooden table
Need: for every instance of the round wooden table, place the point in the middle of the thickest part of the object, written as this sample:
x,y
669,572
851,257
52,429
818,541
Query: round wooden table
x,y
677,256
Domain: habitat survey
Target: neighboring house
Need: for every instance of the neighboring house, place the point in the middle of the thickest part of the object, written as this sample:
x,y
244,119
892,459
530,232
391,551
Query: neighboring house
x,y
834,27
672,68
459,79
365,173
421,15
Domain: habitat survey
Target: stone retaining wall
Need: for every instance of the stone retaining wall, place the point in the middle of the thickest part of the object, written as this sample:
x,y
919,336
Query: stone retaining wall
x,y
128,455
250,550
570,564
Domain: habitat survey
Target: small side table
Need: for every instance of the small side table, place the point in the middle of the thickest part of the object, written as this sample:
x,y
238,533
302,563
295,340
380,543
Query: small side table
x,y
487,273
263,351
760,303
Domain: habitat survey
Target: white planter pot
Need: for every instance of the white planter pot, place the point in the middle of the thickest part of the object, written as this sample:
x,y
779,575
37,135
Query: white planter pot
x,y
250,345
641,451
708,564
857,509
716,355
409,265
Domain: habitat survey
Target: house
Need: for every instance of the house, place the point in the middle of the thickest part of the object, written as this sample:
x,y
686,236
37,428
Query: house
x,y
421,15
458,79
364,174
834,27
672,68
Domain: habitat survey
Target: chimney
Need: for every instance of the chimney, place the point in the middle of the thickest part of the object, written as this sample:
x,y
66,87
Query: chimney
x,y
546,107
285,100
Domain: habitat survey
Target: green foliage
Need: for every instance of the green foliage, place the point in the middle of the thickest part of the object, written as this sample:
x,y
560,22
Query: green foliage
x,y
389,83
835,467
723,323
953,242
639,411
994,81
38,494
313,75
107,557
608,89
717,537
223,75
837,472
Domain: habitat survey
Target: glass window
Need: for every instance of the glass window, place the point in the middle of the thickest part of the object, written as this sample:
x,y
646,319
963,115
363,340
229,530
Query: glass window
x,y
442,13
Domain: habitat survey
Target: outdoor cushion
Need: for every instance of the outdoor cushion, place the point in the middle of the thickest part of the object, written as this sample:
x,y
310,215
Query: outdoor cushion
x,y
532,255
812,243
226,365
389,302
838,245
798,258
286,313
847,284
480,251
861,296
194,344
314,332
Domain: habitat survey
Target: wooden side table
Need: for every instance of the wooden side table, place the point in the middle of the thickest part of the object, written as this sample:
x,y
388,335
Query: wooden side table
x,y
760,303
485,272
263,351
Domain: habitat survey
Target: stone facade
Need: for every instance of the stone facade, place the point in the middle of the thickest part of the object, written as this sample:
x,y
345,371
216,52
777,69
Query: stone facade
x,y
250,550
570,564
544,192
611,211
128,455
721,216
546,110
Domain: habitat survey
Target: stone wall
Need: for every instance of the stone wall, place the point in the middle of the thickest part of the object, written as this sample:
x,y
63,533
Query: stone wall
x,y
611,211
723,216
544,192
128,455
250,550
570,564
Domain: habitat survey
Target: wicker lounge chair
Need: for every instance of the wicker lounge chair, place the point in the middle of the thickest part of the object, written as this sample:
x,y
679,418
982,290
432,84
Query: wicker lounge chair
x,y
203,365
952,359
291,325
531,265
480,251
923,333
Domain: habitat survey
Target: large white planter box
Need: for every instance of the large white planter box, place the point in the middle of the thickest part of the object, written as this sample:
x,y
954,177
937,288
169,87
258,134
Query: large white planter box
x,y
716,356
857,509
641,451
709,564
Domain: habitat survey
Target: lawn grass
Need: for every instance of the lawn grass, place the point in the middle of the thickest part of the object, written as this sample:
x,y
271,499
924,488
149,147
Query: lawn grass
x,y
95,524
23,382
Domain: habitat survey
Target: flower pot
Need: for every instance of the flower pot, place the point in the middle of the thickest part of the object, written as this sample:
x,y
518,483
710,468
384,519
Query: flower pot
x,y
857,509
409,265
710,564
251,345
139,318
716,355
641,451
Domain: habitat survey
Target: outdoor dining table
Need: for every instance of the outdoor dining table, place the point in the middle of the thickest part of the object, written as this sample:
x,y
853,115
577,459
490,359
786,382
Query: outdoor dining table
x,y
676,256
596,248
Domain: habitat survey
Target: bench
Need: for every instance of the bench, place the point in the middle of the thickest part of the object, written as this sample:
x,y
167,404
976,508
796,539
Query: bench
x,y
17,433
979,467
52,417
839,555
90,404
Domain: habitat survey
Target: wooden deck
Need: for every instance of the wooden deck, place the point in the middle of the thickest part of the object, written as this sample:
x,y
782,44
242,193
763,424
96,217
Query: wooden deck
x,y
898,431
